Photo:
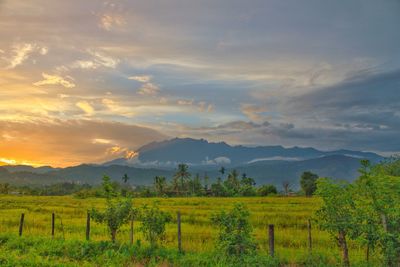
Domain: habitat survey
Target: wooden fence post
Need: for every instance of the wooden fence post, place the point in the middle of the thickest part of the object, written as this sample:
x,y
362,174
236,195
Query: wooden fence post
x,y
179,231
88,226
309,236
271,240
131,233
21,224
52,224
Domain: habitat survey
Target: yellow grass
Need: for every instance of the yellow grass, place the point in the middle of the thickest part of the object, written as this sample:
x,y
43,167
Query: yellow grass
x,y
288,214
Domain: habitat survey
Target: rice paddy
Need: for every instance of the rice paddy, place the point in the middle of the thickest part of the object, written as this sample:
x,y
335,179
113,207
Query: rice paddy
x,y
288,214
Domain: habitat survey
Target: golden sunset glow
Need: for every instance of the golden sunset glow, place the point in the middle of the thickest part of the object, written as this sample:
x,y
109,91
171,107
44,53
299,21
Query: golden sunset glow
x,y
100,79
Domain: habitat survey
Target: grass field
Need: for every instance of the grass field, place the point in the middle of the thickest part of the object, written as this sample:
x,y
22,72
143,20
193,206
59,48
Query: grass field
x,y
288,214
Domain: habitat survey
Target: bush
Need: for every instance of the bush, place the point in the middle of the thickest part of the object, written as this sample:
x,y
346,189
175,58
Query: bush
x,y
235,232
267,190
153,223
118,211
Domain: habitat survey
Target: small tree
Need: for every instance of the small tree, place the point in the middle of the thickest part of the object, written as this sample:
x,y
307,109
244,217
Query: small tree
x,y
286,187
181,178
232,183
153,223
206,178
308,183
196,187
267,189
235,232
118,210
337,212
160,184
218,189
125,178
247,186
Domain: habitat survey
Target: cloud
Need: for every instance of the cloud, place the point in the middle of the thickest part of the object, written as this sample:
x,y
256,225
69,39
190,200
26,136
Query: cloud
x,y
101,59
204,107
85,64
22,51
74,141
149,89
86,107
109,22
313,75
54,80
253,112
185,102
142,78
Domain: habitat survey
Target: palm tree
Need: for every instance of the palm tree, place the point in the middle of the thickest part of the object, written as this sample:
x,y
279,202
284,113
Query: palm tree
x,y
232,182
181,175
222,170
159,184
125,178
286,185
206,182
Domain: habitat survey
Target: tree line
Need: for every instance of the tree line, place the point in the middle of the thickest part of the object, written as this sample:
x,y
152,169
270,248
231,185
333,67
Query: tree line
x,y
183,183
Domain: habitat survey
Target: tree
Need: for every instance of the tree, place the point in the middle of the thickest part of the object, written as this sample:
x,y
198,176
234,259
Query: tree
x,y
232,183
247,186
196,186
286,186
160,183
206,178
378,208
222,171
5,188
336,214
308,183
125,178
218,188
118,210
181,178
267,189
153,223
235,232
247,181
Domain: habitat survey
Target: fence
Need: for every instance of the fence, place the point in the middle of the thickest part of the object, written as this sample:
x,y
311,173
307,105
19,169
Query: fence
x,y
271,231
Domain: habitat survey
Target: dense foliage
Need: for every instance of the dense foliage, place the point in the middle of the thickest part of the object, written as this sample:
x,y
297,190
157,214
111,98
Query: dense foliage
x,y
367,211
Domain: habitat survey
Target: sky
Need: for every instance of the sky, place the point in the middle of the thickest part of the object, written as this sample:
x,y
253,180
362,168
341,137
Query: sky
x,y
88,81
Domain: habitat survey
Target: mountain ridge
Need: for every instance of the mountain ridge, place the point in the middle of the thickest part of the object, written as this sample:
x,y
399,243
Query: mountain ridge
x,y
169,153
266,164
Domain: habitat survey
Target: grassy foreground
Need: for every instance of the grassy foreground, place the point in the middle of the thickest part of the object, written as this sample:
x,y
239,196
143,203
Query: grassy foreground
x,y
288,214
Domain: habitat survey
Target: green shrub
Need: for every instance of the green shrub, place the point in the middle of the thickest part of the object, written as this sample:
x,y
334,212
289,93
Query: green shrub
x,y
153,223
235,232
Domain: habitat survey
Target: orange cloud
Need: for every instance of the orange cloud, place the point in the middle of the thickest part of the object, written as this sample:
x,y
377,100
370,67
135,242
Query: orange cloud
x,y
70,142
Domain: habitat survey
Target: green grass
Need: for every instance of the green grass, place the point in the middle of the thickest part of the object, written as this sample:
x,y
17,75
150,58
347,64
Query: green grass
x,y
288,214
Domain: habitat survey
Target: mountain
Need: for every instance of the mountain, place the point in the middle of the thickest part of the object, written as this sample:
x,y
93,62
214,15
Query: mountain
x,y
266,164
26,168
85,173
169,153
270,171
275,172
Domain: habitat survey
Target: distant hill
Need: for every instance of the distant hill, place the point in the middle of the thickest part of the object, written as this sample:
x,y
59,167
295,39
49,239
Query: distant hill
x,y
26,168
169,153
91,174
275,172
266,164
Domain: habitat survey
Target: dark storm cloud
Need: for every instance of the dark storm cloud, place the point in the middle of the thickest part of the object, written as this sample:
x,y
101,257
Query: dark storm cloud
x,y
361,112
